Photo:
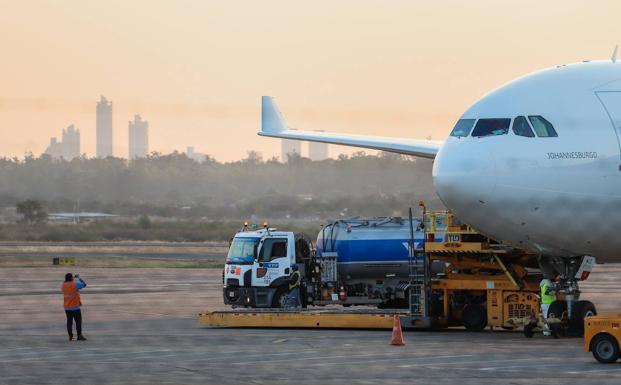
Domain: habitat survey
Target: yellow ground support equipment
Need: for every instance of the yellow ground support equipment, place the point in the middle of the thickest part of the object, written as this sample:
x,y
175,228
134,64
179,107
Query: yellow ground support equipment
x,y
602,336
64,261
483,283
302,318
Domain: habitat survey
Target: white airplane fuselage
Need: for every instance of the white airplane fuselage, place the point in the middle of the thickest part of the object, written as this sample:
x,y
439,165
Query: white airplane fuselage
x,y
558,196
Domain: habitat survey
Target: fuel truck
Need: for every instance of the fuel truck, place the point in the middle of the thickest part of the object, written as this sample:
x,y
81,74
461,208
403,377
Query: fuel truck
x,y
358,261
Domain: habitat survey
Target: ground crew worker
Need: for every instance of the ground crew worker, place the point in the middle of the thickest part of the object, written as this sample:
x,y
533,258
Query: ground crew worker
x,y
71,294
294,287
548,295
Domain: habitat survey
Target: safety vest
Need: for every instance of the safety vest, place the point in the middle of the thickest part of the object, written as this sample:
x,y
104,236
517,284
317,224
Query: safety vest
x,y
545,286
71,294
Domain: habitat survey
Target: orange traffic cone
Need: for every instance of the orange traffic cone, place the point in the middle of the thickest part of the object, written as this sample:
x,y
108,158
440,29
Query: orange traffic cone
x,y
397,334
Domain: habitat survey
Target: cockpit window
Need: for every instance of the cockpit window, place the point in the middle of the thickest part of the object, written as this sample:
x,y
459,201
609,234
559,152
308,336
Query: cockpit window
x,y
522,128
462,127
542,127
490,127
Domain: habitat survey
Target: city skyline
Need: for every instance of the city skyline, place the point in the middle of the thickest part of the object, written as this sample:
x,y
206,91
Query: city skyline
x,y
402,68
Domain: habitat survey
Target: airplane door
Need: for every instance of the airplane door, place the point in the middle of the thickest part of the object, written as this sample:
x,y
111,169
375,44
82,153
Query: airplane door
x,y
611,100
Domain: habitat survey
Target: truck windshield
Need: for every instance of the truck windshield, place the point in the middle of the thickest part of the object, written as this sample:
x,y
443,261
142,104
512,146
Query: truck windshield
x,y
242,251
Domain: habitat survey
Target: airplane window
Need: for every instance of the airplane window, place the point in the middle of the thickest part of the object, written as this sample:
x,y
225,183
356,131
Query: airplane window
x,y
543,128
522,128
491,127
462,127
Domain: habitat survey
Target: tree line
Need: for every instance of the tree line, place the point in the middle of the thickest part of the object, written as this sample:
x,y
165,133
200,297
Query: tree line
x,y
173,185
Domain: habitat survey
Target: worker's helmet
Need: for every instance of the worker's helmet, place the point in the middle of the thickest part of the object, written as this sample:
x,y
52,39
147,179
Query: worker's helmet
x,y
68,277
294,267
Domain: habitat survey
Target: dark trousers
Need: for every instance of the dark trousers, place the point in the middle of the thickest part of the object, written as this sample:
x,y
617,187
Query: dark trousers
x,y
77,316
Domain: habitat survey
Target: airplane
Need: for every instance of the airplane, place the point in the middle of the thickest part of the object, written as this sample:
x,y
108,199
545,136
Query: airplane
x,y
535,163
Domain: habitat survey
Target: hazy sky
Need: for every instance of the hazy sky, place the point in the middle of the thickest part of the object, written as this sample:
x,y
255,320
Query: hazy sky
x,y
196,69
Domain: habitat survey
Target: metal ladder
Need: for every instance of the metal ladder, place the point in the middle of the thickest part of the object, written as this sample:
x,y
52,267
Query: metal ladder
x,y
419,275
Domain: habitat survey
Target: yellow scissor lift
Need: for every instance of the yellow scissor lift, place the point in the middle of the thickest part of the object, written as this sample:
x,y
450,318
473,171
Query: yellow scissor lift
x,y
476,278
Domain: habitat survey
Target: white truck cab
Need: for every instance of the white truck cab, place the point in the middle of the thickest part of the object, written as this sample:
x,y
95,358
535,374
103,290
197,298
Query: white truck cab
x,y
258,266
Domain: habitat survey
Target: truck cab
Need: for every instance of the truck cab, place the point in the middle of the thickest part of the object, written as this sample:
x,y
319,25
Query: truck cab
x,y
258,266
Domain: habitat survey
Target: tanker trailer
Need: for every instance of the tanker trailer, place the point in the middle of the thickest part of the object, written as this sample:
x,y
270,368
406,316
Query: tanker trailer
x,y
371,256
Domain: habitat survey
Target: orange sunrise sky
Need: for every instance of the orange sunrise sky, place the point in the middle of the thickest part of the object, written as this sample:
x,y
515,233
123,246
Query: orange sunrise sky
x,y
196,69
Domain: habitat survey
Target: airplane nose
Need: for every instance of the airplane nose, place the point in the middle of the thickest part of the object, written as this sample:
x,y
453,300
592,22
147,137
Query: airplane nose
x,y
463,176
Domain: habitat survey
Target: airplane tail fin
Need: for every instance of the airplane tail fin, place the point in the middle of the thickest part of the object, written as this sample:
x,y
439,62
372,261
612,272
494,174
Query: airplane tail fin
x,y
271,118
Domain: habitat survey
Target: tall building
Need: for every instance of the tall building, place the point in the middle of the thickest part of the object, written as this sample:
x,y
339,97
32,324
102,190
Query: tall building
x,y
71,142
68,148
104,128
55,149
196,156
138,138
317,151
289,147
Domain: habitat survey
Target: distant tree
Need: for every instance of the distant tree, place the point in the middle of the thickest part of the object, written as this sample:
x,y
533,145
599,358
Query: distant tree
x,y
253,158
293,157
273,160
33,211
144,222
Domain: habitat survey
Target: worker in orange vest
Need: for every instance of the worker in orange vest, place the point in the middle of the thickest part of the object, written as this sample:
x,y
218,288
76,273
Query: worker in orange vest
x,y
71,293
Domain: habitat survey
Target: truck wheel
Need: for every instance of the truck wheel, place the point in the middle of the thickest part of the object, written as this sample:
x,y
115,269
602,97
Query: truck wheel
x,y
605,348
580,311
280,298
474,317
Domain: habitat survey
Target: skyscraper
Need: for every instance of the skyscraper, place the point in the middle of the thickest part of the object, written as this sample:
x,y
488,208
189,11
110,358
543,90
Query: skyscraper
x,y
55,149
138,138
317,151
196,156
104,128
71,142
289,147
68,148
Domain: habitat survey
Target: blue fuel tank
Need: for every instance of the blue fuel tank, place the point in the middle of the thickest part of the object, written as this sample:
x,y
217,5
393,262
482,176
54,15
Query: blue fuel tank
x,y
370,247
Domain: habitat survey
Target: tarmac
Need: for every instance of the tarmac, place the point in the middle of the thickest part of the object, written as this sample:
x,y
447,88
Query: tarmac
x,y
142,328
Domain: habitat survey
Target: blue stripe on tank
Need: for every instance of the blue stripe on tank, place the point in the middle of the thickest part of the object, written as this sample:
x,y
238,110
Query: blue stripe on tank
x,y
371,250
